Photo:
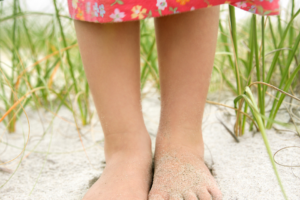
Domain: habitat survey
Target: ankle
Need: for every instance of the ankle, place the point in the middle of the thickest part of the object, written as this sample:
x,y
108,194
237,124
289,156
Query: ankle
x,y
129,144
190,140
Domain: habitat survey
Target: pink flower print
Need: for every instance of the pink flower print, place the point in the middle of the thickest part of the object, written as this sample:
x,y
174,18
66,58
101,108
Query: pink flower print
x,y
161,4
241,4
117,15
104,11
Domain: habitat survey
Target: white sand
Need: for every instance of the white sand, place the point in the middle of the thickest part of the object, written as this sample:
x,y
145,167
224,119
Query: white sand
x,y
242,170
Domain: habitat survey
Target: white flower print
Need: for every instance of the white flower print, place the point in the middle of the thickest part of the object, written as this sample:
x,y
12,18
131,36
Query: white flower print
x,y
161,4
96,9
88,7
102,11
193,8
117,15
241,4
252,9
99,10
74,3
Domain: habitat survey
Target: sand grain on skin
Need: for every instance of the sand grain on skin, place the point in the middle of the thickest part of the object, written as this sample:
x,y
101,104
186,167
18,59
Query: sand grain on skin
x,y
178,174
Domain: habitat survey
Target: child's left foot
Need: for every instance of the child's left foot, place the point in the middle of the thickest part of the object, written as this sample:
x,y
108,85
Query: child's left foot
x,y
180,174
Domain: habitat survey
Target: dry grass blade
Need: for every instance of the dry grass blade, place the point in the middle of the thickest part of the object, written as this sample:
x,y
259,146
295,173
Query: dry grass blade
x,y
243,113
228,130
281,150
275,88
19,101
24,145
45,58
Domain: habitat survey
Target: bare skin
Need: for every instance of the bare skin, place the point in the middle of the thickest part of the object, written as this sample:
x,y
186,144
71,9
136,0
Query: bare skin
x,y
180,174
110,55
110,52
186,46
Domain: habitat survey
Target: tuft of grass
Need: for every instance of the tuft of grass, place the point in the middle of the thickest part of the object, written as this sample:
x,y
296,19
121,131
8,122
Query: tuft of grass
x,y
40,65
245,54
259,53
249,99
149,66
45,55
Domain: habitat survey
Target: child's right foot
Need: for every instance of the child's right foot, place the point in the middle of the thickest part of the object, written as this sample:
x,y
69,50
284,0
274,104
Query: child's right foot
x,y
127,174
180,172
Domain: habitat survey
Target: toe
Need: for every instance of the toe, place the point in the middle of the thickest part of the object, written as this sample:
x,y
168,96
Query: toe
x,y
176,197
190,196
156,197
156,194
215,193
203,194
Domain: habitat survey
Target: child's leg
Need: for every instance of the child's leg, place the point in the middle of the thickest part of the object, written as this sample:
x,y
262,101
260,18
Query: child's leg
x,y
186,46
110,54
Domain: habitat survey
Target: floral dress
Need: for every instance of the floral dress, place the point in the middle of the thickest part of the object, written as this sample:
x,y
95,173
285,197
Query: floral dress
x,y
104,11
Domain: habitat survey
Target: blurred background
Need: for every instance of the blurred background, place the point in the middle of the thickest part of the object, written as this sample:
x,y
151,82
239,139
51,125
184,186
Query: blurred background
x,y
41,68
41,65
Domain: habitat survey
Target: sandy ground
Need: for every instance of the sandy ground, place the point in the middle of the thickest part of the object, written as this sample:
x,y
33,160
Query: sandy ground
x,y
54,165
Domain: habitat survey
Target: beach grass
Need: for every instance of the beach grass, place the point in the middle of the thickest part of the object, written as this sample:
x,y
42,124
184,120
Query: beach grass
x,y
40,65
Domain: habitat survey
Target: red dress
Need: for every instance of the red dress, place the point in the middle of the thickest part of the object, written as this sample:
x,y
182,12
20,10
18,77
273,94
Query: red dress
x,y
104,11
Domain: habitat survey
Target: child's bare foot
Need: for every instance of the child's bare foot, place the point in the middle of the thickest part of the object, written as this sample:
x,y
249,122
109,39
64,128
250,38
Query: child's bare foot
x,y
128,172
180,173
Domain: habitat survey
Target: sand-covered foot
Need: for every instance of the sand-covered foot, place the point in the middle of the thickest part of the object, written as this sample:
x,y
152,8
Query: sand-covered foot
x,y
127,174
181,174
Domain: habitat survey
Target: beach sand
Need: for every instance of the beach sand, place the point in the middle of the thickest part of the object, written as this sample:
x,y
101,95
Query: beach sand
x,y
58,168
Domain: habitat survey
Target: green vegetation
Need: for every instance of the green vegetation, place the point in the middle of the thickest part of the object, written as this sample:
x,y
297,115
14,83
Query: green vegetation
x,y
40,65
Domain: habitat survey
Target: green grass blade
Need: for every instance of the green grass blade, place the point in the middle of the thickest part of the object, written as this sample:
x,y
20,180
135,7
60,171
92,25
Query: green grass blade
x,y
258,76
224,40
276,104
261,126
276,56
69,61
234,40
